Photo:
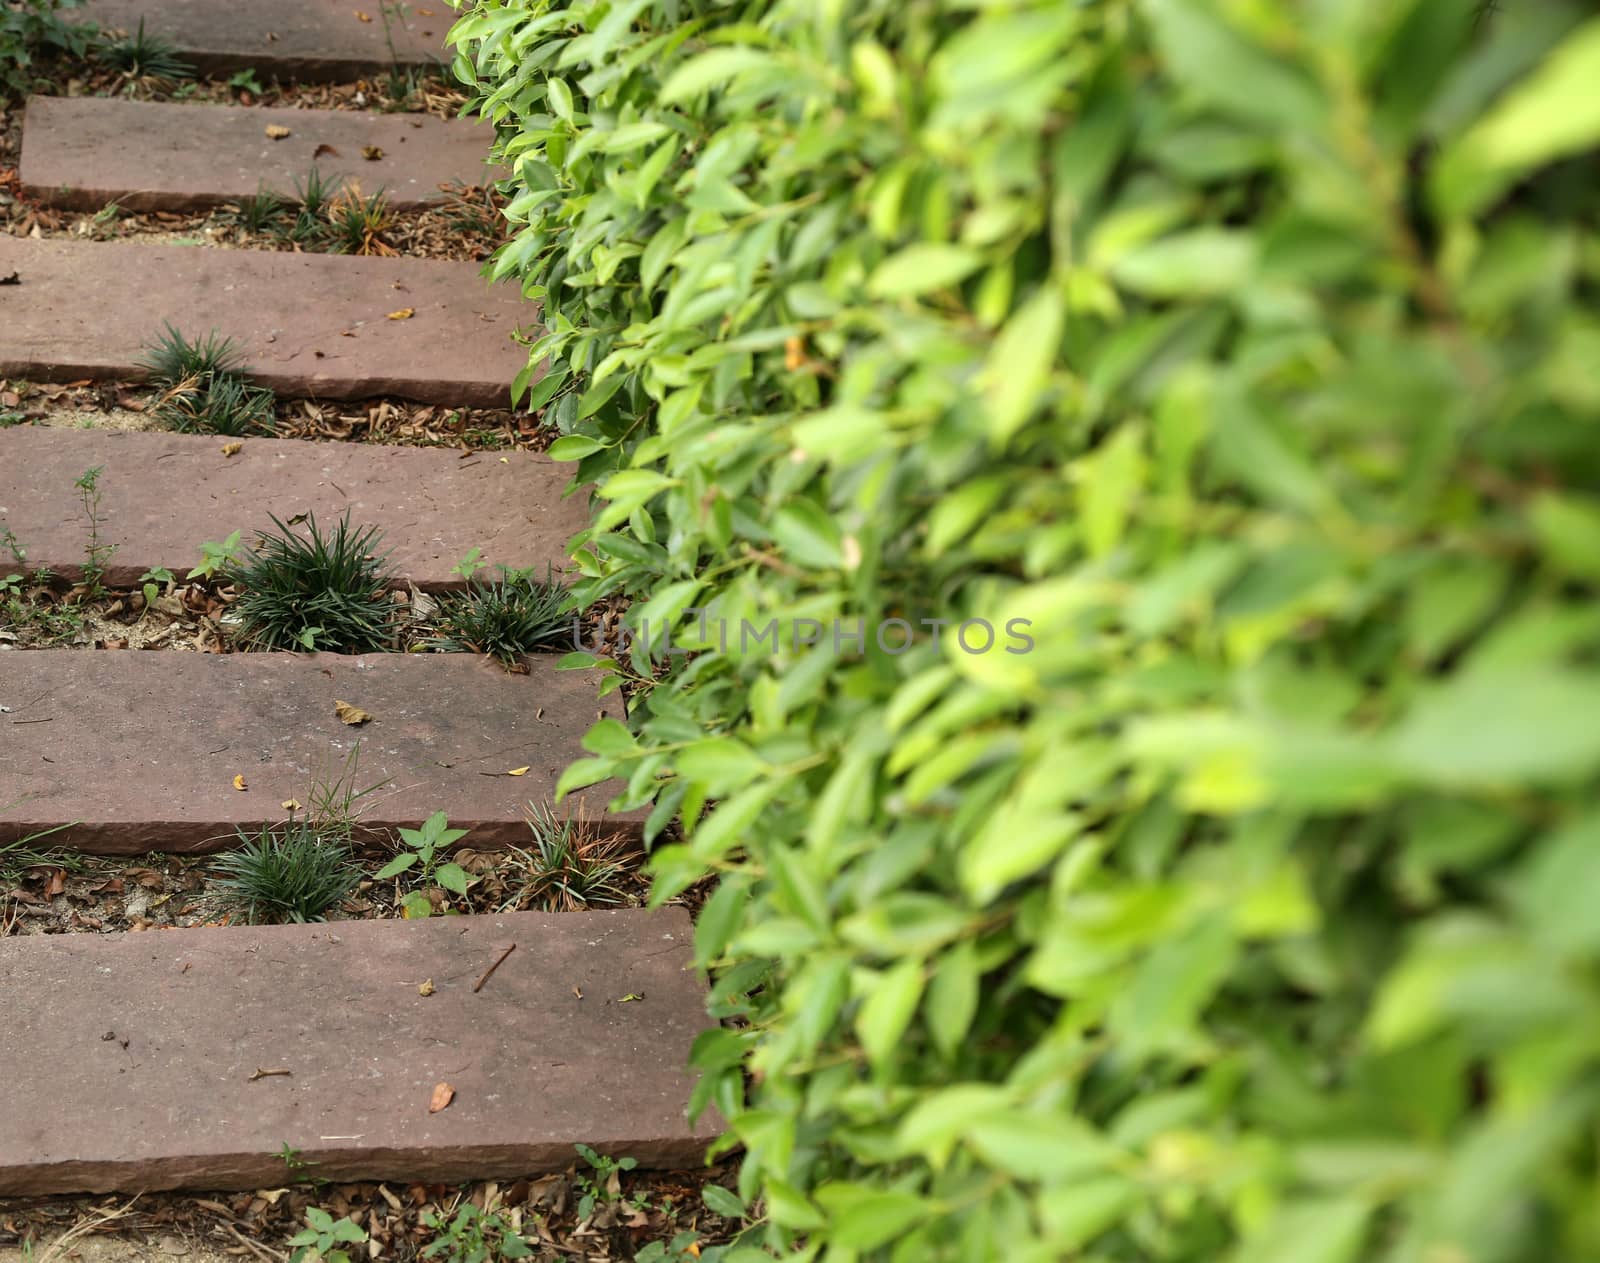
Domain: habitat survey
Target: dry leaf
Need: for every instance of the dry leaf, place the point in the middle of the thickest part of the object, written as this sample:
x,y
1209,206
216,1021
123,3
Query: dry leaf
x,y
363,17
517,771
232,449
58,883
405,313
238,782
275,132
290,804
426,988
324,149
348,714
443,1094
371,152
578,991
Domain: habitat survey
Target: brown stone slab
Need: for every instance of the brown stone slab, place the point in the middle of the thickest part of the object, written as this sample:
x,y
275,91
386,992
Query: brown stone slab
x,y
322,40
137,751
83,152
307,324
162,495
126,1060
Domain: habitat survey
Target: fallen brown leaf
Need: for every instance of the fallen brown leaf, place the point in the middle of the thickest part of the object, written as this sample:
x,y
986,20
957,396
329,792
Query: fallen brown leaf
x,y
58,883
348,714
443,1094
290,804
517,771
427,988
275,132
363,17
232,449
322,149
371,152
405,313
238,782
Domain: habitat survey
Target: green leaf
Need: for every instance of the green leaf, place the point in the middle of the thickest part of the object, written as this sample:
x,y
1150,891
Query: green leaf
x,y
1568,527
720,765
1501,727
1018,368
1039,1144
610,738
708,70
1554,113
953,998
1195,263
864,1218
888,1010
921,269
722,1201
453,878
1227,69
398,864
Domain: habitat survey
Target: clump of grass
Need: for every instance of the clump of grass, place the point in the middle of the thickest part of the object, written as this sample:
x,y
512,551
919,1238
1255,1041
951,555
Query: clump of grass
x,y
569,865
262,213
318,591
202,389
504,617
291,872
314,195
356,224
142,56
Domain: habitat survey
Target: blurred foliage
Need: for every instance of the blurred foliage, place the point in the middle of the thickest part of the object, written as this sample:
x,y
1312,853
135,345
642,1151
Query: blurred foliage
x,y
29,28
1249,349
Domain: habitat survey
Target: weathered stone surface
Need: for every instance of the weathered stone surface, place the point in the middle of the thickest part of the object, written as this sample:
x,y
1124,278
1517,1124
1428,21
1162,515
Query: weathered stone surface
x,y
137,751
126,1061
163,494
83,152
322,40
307,324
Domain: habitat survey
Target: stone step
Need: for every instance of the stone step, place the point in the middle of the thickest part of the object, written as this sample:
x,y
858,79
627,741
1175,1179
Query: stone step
x,y
307,324
162,495
138,751
82,152
131,1061
310,40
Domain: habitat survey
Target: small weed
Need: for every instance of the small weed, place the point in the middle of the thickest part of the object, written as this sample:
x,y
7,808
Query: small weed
x,y
37,614
9,542
568,866
216,558
356,224
95,554
317,592
469,565
315,195
606,1183
152,581
288,873
423,848
473,1236
142,56
321,1239
27,30
262,213
333,803
245,80
505,617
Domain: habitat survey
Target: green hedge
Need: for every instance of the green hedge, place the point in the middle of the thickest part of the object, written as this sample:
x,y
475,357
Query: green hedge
x,y
1249,350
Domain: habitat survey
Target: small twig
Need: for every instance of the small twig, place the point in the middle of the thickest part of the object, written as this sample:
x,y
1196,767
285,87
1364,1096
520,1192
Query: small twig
x,y
51,720
269,1074
478,986
261,1251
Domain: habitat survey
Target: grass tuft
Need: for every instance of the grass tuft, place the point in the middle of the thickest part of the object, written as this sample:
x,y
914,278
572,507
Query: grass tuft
x,y
356,224
291,872
504,617
318,591
202,391
568,866
262,213
142,56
